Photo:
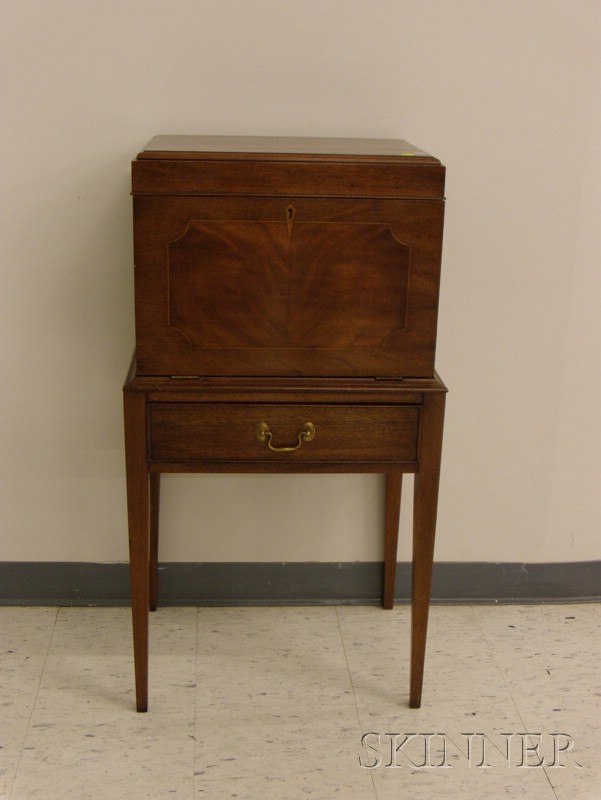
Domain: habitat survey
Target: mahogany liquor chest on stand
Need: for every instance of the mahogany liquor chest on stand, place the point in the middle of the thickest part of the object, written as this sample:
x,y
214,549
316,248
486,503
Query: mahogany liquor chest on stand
x,y
286,301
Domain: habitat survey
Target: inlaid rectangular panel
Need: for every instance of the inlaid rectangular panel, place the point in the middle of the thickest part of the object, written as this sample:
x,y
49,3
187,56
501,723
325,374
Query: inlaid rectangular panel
x,y
247,284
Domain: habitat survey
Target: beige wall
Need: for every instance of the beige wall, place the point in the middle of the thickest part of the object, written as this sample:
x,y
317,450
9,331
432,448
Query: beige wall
x,y
506,92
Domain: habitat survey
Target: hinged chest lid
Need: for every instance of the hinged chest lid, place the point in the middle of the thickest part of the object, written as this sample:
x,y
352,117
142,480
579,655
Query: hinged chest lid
x,y
286,165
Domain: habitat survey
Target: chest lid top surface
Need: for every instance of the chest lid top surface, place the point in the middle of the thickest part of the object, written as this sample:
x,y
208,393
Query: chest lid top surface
x,y
293,147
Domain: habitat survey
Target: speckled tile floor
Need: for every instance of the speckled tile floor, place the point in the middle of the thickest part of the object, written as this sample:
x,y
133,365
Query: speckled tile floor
x,y
302,702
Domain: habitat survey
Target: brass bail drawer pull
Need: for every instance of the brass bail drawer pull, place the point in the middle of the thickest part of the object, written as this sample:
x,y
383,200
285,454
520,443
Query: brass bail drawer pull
x,y
306,433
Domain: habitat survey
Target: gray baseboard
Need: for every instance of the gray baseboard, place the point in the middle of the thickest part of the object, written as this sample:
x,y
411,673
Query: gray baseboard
x,y
242,583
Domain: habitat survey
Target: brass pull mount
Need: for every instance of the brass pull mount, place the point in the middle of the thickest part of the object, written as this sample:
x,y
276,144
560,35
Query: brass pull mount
x,y
305,434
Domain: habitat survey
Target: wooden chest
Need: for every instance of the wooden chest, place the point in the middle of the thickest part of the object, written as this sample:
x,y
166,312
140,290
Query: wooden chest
x,y
286,257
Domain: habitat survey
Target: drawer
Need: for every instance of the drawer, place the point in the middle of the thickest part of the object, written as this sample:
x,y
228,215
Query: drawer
x,y
207,432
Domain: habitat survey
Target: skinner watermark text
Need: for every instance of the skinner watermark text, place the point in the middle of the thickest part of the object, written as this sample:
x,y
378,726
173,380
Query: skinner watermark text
x,y
521,750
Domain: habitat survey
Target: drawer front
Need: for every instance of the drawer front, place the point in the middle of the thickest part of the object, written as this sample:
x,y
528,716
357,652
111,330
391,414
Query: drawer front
x,y
205,432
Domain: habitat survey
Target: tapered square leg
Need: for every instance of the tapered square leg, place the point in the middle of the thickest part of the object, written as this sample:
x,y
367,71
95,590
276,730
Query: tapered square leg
x,y
394,482
424,528
155,493
138,508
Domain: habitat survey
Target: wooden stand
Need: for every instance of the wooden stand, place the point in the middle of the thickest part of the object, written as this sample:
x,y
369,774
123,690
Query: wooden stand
x,y
422,401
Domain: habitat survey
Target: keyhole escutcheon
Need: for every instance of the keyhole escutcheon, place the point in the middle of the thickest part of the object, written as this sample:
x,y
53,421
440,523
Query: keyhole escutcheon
x,y
290,211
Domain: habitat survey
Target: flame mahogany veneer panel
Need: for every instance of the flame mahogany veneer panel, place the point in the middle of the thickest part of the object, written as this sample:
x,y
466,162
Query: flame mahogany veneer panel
x,y
286,286
247,284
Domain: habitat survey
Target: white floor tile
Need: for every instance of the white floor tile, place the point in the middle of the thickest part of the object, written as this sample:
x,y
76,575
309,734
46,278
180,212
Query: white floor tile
x,y
274,703
25,635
